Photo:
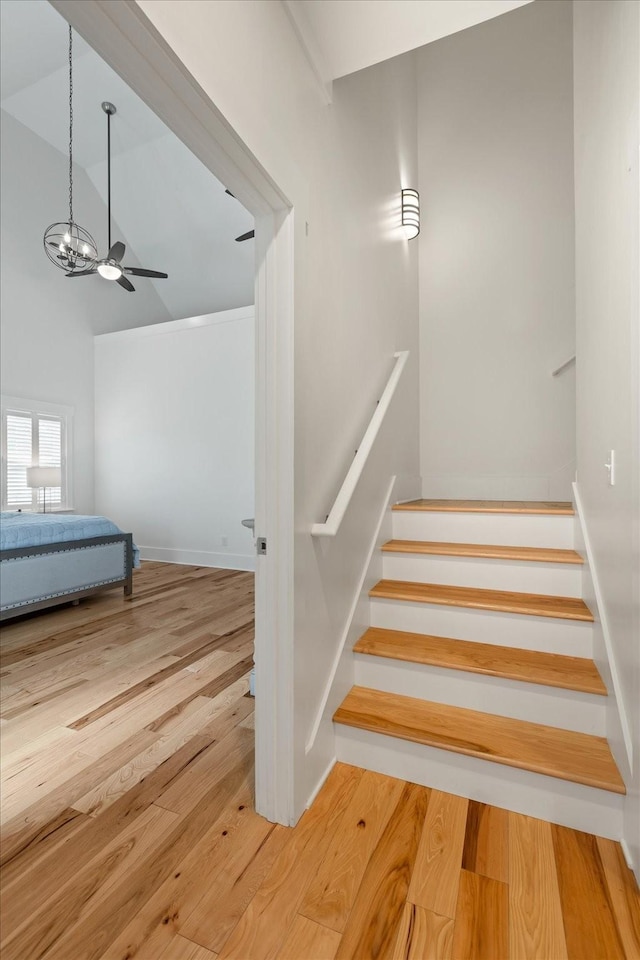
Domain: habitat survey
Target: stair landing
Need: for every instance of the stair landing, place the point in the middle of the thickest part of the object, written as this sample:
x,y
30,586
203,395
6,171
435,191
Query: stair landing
x,y
553,507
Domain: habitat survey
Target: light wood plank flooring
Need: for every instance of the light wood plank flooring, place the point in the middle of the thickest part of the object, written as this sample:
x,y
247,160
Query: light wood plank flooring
x,y
131,832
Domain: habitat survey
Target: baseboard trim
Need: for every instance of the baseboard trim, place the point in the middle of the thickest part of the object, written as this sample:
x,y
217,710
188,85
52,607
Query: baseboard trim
x,y
319,785
199,558
626,852
408,488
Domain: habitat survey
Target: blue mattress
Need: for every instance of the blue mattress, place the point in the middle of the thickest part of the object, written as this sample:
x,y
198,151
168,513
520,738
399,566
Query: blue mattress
x,y
37,529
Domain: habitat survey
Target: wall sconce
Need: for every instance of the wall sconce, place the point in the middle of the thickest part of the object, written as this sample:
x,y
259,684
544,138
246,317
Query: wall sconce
x,y
411,213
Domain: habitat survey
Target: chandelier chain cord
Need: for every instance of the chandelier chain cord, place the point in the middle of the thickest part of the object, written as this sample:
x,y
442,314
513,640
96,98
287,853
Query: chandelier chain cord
x,y
70,127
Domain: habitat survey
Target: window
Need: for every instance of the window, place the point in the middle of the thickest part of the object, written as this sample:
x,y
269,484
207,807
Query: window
x,y
34,434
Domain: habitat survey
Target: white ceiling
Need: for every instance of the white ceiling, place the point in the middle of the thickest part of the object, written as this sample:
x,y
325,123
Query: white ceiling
x,y
173,213
343,36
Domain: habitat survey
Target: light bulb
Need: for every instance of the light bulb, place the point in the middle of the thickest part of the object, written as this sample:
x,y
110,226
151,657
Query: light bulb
x,y
62,248
85,249
67,237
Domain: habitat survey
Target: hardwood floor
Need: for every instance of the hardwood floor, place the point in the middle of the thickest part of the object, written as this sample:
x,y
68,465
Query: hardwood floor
x,y
130,832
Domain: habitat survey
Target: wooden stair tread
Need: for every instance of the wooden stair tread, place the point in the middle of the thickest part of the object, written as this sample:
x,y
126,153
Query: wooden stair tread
x,y
530,666
555,508
564,754
532,604
483,550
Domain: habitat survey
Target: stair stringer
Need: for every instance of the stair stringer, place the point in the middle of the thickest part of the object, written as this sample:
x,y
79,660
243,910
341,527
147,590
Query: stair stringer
x,y
533,794
617,721
618,724
342,673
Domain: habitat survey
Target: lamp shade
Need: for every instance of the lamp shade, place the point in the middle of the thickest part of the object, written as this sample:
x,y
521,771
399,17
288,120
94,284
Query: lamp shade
x,y
44,476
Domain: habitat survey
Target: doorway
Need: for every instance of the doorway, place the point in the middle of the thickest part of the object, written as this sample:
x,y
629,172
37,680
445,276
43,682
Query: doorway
x,y
125,39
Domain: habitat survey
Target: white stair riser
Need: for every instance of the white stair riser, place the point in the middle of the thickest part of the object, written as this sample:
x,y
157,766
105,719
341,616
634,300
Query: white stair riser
x,y
552,706
559,579
535,795
522,530
570,637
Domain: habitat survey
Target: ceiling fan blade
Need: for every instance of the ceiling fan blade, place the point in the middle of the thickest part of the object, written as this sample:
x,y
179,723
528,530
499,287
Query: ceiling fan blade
x,y
81,273
126,284
246,236
117,252
139,272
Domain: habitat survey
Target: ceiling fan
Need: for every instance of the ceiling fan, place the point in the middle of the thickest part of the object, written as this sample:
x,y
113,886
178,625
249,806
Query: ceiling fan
x,y
111,266
250,234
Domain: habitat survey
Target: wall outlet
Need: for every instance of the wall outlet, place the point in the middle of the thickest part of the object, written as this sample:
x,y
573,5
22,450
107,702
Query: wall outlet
x,y
224,540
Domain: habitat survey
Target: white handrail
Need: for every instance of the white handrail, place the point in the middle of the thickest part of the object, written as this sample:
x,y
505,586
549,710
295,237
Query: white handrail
x,y
563,366
338,510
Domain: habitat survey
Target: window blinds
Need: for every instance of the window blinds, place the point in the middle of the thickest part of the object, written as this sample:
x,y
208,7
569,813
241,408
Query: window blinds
x,y
31,439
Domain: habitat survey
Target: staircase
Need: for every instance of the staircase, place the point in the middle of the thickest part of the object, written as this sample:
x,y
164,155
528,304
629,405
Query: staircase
x,y
475,676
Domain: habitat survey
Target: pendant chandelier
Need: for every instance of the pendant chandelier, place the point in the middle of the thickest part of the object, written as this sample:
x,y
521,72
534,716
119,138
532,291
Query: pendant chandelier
x,y
68,245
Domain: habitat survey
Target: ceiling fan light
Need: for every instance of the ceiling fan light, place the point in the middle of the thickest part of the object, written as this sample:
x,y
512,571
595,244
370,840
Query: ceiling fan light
x,y
109,270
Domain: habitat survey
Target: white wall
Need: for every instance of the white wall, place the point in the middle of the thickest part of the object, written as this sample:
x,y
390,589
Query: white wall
x,y
496,258
606,56
353,35
48,322
175,437
342,168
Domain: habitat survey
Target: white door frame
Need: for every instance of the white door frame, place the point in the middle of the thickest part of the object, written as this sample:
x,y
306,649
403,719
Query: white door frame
x,y
123,36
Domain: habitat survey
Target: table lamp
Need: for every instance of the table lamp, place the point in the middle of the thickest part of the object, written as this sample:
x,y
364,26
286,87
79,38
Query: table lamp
x,y
43,477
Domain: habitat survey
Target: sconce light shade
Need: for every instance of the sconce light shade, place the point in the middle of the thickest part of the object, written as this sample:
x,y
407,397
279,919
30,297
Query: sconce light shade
x,y
411,213
44,476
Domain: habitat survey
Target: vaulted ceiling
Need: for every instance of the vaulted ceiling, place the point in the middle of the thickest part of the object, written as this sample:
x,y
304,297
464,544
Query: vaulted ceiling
x,y
343,36
173,213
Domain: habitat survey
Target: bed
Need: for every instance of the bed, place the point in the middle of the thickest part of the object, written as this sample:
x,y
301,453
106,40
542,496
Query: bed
x,y
48,559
